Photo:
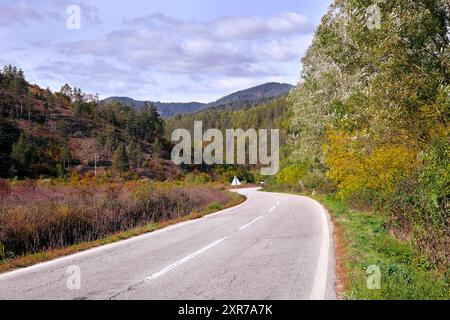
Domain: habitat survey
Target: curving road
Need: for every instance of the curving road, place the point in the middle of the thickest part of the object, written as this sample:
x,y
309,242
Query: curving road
x,y
273,246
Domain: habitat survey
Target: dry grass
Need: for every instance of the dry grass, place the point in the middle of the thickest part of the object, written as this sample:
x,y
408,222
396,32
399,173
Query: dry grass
x,y
38,222
342,279
30,259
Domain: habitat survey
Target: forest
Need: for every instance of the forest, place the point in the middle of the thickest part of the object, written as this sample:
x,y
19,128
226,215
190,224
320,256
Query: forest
x,y
370,117
49,134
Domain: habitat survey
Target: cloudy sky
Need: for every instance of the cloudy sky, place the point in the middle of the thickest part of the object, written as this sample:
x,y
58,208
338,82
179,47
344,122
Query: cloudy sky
x,y
166,50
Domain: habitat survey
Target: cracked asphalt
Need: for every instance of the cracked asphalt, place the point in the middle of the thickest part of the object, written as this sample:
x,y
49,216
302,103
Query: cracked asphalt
x,y
273,246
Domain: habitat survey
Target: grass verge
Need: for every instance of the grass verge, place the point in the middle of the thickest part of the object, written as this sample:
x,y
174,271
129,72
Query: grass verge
x,y
30,259
362,240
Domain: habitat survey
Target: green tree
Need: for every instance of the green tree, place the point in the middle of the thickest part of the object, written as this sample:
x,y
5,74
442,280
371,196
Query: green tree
x,y
156,122
65,157
60,172
24,153
134,152
66,91
120,159
371,105
13,80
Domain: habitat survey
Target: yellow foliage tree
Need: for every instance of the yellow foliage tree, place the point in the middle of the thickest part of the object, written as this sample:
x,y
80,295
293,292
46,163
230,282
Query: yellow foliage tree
x,y
358,169
291,175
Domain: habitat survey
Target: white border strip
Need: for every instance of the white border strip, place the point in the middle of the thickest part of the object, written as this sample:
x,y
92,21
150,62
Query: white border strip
x,y
321,274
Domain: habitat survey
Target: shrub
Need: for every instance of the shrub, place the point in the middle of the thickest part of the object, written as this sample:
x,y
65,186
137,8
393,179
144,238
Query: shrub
x,y
199,178
366,173
292,175
5,188
214,206
244,175
420,205
35,218
316,180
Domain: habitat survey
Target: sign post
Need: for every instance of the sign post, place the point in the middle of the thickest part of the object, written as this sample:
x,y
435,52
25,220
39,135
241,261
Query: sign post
x,y
235,183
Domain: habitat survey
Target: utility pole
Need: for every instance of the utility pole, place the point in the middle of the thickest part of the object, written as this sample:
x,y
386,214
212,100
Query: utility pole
x,y
95,164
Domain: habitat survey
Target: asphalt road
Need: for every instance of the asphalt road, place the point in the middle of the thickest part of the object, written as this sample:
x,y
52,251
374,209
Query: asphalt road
x,y
273,246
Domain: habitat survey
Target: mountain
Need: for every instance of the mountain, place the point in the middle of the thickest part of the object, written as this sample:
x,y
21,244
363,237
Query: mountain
x,y
259,93
165,109
237,99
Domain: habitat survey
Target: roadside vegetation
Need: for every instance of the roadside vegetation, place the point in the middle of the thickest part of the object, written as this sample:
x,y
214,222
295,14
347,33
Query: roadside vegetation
x,y
368,136
363,238
45,216
366,241
369,119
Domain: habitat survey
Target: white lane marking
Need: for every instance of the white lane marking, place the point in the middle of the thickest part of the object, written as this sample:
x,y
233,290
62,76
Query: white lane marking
x,y
320,277
251,222
185,259
271,209
278,202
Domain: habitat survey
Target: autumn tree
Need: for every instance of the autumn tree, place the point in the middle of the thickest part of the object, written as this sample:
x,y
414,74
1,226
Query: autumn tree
x,y
373,105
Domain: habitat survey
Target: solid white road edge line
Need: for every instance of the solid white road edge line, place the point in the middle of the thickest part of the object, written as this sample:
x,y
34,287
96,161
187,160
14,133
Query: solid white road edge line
x,y
251,222
185,259
321,274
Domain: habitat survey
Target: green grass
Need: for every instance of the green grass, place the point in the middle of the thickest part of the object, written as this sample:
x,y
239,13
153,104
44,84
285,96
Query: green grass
x,y
404,273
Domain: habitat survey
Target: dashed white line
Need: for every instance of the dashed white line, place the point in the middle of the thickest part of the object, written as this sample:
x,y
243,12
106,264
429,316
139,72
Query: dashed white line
x,y
251,222
185,259
271,209
278,202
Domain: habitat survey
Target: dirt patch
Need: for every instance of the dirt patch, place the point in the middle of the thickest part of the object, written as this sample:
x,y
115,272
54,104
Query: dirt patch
x,y
342,279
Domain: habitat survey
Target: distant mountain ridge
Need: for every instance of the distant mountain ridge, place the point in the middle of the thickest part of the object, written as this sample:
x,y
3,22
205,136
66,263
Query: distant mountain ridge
x,y
165,109
262,92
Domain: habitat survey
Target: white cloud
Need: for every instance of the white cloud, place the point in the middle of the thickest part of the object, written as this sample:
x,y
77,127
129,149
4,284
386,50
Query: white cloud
x,y
98,75
228,46
191,58
286,49
233,84
227,28
19,13
22,13
289,22
256,27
